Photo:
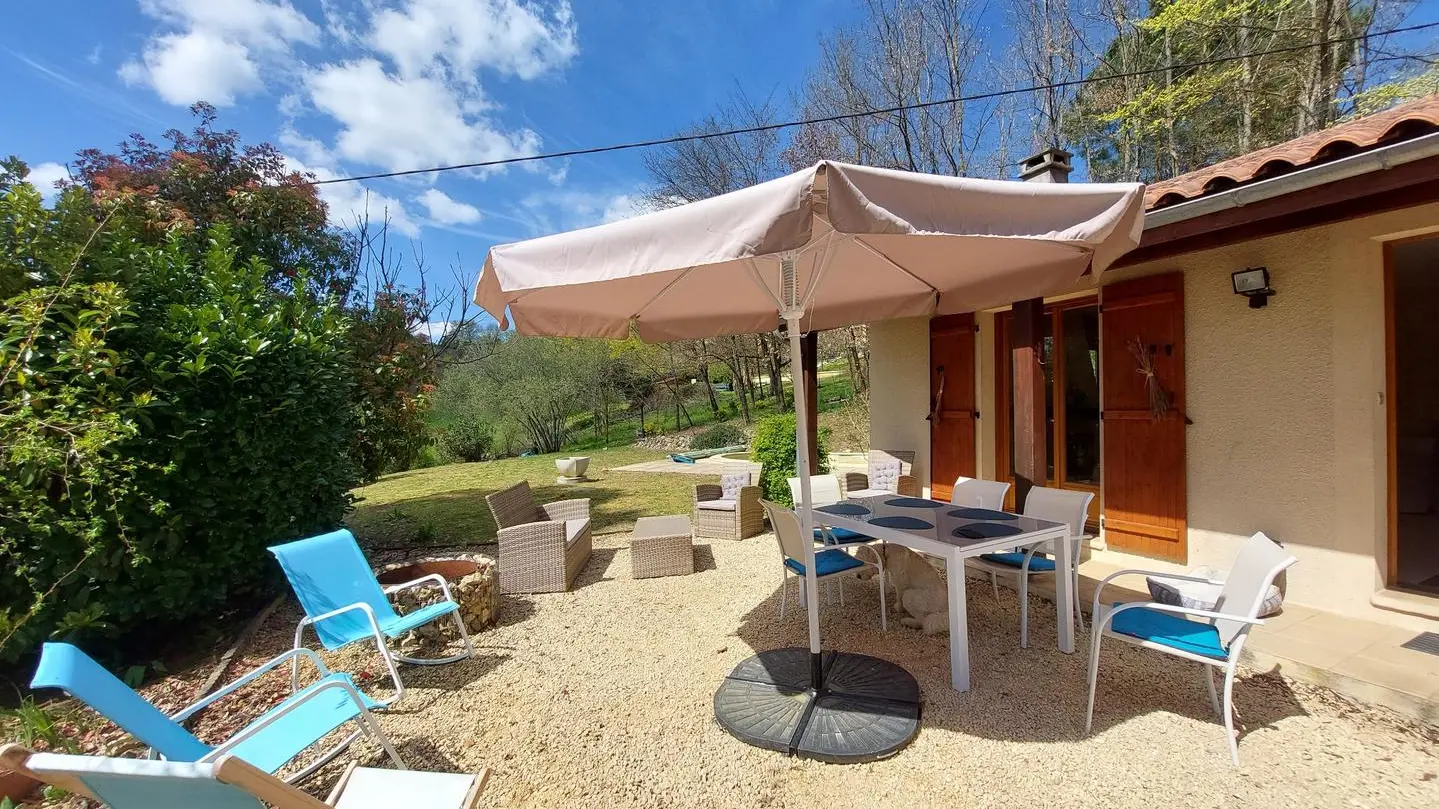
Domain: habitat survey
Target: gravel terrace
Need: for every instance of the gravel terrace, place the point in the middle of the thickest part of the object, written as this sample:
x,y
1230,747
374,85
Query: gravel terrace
x,y
602,697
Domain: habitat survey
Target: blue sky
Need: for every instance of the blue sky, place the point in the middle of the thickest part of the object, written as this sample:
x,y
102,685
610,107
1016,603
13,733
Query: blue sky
x,y
356,86
349,87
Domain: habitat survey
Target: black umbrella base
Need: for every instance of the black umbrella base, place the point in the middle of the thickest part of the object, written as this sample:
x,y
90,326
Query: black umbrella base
x,y
866,708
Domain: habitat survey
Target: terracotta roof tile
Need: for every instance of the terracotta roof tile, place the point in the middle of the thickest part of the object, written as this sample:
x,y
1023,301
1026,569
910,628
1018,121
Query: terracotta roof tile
x,y
1400,123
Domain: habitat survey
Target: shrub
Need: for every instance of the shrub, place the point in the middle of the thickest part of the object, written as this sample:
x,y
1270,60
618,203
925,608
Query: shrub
x,y
720,435
773,446
429,457
467,438
165,414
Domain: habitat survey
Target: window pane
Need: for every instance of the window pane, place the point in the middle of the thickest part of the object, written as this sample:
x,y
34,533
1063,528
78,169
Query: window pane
x,y
1081,395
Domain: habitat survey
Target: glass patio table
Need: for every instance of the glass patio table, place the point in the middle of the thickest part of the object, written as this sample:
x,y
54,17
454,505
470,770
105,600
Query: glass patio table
x,y
954,533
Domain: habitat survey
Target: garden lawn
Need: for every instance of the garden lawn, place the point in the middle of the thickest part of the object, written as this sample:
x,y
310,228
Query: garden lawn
x,y
445,505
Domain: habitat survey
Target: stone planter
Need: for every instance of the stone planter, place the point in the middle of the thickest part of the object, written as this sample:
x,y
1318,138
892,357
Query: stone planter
x,y
474,582
572,470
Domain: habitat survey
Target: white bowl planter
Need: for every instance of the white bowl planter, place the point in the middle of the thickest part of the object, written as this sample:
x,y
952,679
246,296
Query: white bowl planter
x,y
572,469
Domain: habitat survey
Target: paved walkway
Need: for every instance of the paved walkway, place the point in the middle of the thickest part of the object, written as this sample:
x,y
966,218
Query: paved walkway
x,y
704,466
1363,660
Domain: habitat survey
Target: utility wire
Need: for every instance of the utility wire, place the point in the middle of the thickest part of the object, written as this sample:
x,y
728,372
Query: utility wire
x,y
644,144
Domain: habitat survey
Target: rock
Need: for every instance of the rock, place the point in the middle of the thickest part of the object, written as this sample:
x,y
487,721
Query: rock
x,y
477,592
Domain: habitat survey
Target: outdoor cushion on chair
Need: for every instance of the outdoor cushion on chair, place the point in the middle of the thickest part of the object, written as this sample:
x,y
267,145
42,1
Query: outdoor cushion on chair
x,y
1169,630
840,536
717,505
826,562
1038,563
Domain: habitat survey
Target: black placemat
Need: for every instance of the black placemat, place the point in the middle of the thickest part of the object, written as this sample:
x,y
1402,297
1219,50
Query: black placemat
x,y
912,502
987,530
902,523
982,514
844,509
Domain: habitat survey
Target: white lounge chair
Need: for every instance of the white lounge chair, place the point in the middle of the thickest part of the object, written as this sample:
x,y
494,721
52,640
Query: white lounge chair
x,y
230,783
1210,637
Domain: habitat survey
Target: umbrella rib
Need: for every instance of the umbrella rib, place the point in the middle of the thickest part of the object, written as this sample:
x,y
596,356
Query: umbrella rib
x,y
759,281
820,266
891,262
666,288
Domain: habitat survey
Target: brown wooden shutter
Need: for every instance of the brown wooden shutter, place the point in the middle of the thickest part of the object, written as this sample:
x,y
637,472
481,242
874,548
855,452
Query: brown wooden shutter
x,y
951,381
1143,464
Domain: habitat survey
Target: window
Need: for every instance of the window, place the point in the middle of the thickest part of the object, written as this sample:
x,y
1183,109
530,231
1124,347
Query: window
x,y
1071,383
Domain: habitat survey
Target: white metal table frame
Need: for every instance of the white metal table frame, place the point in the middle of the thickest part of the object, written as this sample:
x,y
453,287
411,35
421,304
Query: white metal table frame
x,y
942,543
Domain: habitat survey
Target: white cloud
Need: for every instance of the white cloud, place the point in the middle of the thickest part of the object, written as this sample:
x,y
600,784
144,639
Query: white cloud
x,y
434,330
446,210
309,150
351,204
514,37
407,122
547,212
44,176
215,50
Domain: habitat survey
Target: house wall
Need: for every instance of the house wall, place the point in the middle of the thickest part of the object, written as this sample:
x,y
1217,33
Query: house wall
x,y
1289,432
899,389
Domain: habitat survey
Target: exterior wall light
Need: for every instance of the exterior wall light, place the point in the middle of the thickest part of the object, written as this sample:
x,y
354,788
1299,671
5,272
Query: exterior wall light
x,y
1253,284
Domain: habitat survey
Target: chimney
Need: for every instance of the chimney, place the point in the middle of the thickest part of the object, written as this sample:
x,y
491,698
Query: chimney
x,y
1049,166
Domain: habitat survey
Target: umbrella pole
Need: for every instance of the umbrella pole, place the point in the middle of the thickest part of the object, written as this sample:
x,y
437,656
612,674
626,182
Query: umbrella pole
x,y
806,516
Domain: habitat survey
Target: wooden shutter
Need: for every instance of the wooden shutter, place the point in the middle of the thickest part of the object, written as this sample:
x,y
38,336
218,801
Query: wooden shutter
x,y
1143,463
951,397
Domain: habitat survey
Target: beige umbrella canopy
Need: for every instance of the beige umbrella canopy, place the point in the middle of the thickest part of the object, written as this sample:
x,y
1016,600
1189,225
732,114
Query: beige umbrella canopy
x,y
866,244
833,245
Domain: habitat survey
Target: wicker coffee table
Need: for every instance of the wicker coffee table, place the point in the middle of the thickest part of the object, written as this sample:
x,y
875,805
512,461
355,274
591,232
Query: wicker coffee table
x,y
662,546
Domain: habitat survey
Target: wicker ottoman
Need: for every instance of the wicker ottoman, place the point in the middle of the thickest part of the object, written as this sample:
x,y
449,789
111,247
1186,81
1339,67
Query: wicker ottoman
x,y
662,546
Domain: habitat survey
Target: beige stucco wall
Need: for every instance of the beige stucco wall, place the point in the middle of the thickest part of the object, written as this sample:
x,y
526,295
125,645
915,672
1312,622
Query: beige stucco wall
x,y
1289,432
899,389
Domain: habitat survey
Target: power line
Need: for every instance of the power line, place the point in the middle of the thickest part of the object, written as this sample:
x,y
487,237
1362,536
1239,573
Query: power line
x,y
644,144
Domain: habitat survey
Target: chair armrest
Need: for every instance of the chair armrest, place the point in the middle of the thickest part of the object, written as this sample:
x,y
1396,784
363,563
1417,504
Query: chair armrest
x,y
562,510
1177,610
531,532
908,486
274,716
853,481
254,674
1134,571
432,579
705,492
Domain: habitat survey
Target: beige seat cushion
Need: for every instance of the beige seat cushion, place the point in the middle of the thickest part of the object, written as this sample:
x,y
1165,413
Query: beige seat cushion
x,y
716,505
573,529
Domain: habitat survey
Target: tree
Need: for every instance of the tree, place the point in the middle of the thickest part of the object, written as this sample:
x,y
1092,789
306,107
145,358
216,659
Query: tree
x,y
208,177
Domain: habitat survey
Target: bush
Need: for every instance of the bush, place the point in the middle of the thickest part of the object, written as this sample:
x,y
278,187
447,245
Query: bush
x,y
467,438
773,446
165,414
720,435
428,457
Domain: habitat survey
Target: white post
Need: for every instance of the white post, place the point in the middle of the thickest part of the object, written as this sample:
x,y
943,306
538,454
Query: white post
x,y
793,314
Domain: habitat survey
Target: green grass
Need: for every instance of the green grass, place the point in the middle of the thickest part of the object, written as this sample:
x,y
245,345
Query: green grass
x,y
445,505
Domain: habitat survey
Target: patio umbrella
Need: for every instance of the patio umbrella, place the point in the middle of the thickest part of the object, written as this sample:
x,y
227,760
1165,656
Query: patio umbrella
x,y
833,245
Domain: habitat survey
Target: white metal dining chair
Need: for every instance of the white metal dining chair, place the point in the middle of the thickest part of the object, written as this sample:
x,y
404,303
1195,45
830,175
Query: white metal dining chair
x,y
824,490
1055,505
977,493
1210,637
828,563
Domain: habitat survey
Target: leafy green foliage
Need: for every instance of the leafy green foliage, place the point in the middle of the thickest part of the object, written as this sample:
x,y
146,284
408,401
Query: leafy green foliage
x,y
36,727
394,374
720,435
774,447
165,413
467,438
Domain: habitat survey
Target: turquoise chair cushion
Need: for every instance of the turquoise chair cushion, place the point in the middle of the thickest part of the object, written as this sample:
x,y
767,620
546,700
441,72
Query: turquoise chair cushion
x,y
404,623
1170,630
67,668
841,536
328,572
1039,564
276,745
826,563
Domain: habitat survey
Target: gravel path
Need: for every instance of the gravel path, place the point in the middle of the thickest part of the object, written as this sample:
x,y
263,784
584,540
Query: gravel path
x,y
602,697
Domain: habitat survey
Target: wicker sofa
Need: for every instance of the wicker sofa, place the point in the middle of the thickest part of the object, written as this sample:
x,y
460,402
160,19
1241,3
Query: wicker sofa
x,y
890,470
542,547
729,509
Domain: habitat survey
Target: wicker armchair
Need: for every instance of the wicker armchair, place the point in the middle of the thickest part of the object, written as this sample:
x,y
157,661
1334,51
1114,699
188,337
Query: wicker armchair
x,y
729,509
881,474
542,547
